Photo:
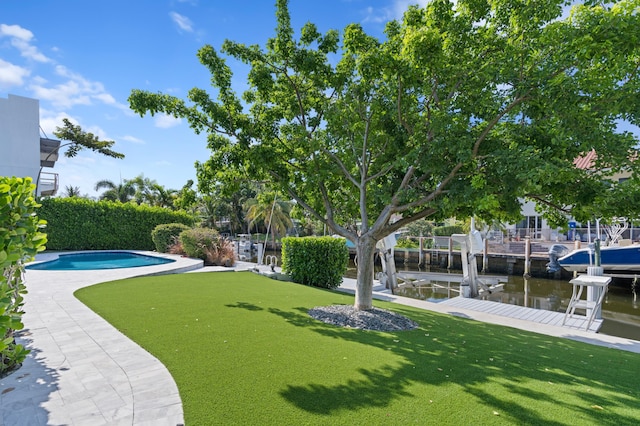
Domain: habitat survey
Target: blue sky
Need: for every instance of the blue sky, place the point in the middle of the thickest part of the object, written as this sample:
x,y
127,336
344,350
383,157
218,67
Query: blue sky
x,y
81,59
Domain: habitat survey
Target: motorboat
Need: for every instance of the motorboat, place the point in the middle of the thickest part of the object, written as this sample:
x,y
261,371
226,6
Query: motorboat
x,y
617,258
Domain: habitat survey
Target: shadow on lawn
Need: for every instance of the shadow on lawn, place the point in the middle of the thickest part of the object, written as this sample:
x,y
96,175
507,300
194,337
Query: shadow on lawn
x,y
493,364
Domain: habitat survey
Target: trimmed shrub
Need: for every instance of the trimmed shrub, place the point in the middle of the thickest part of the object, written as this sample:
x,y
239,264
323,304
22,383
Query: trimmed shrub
x,y
166,235
447,231
81,224
20,240
315,261
208,245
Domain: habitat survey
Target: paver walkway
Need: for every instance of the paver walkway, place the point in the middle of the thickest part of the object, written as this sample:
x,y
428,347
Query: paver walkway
x,y
81,370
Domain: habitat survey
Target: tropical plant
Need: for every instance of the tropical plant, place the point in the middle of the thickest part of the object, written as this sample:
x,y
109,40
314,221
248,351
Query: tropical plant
x,y
420,228
466,108
71,191
148,191
212,211
407,242
186,198
122,192
208,245
20,240
270,211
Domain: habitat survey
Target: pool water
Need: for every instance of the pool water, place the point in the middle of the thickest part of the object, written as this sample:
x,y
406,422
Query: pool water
x,y
98,260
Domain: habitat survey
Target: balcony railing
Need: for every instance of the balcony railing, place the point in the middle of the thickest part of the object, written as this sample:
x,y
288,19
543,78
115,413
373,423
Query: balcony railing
x,y
47,184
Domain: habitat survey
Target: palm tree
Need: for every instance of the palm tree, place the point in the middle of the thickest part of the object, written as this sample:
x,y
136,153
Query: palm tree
x,y
271,211
71,191
123,192
163,197
148,191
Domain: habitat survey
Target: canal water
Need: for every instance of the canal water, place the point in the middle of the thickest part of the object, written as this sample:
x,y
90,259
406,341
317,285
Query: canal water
x,y
620,310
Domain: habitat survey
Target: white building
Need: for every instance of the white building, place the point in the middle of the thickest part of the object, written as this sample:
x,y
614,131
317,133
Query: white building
x,y
23,153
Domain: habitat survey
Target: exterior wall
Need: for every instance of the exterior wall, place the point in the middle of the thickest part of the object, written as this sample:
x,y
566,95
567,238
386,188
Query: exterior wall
x,y
19,137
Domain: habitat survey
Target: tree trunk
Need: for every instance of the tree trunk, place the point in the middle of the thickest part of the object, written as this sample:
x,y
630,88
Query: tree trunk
x,y
365,249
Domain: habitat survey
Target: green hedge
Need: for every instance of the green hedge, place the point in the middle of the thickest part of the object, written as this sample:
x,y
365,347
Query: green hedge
x,y
447,231
315,261
81,224
166,235
20,239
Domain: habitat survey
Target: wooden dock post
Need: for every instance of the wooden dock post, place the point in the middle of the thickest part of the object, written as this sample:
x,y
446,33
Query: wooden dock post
x,y
485,256
527,256
450,260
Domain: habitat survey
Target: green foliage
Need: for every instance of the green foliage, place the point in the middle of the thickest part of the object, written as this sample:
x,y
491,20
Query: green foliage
x,y
82,224
20,240
315,261
80,139
269,209
122,192
165,235
466,108
421,227
407,242
446,231
208,245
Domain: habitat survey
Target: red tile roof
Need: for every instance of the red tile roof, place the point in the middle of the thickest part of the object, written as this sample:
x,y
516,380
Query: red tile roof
x,y
586,161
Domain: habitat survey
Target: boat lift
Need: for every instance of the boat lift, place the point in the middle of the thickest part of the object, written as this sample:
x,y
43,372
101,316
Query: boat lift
x,y
471,285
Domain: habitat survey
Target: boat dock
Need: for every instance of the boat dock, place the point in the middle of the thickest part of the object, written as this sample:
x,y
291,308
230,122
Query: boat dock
x,y
533,315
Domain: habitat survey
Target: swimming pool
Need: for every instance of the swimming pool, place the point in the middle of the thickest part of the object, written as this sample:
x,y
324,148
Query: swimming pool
x,y
98,260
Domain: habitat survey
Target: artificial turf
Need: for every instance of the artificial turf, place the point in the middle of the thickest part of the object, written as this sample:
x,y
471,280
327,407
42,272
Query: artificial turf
x,y
243,350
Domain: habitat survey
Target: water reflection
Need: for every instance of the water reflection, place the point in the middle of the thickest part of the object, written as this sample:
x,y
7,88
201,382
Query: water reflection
x,y
620,310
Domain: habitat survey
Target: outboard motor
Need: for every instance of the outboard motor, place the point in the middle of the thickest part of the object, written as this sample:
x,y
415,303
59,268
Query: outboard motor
x,y
556,251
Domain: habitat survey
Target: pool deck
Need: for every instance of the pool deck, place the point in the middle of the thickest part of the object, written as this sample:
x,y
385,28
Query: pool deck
x,y
82,371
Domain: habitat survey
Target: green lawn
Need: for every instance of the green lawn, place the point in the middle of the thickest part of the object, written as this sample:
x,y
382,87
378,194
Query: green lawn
x,y
243,350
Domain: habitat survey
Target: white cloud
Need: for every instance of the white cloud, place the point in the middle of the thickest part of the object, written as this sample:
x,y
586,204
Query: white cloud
x,y
63,95
182,21
97,131
21,39
12,75
105,98
165,121
77,90
132,139
49,120
16,31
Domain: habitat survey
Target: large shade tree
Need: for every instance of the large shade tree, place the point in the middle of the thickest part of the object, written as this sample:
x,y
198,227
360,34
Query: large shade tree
x,y
465,108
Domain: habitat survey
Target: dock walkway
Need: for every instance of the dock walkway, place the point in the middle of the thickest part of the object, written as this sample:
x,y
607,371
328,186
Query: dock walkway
x,y
533,315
